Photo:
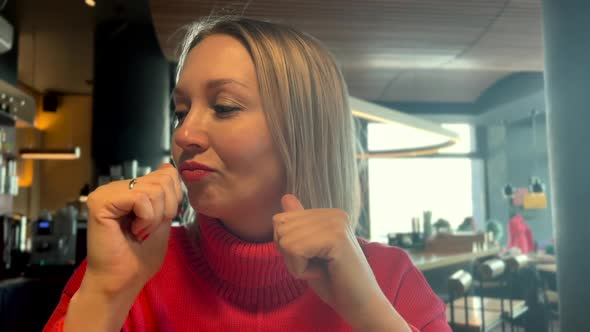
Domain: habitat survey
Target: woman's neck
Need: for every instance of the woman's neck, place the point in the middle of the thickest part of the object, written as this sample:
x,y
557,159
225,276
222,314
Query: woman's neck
x,y
249,229
252,225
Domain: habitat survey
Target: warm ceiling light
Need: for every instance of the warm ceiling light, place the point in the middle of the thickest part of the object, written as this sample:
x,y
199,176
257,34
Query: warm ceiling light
x,y
51,154
90,3
427,137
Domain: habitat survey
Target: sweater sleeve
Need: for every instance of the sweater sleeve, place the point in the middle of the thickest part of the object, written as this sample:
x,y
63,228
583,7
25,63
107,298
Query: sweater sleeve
x,y
55,323
418,304
406,288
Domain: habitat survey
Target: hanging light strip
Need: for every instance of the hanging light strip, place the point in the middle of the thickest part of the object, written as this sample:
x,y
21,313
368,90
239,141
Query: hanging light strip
x,y
51,154
429,137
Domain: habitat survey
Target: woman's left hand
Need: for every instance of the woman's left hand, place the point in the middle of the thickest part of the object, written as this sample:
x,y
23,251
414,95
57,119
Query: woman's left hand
x,y
319,246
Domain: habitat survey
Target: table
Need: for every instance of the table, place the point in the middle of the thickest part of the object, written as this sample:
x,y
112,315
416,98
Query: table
x,y
429,261
550,268
474,322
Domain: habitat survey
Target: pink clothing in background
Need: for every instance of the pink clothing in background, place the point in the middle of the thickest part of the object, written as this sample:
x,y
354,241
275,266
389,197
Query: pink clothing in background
x,y
520,235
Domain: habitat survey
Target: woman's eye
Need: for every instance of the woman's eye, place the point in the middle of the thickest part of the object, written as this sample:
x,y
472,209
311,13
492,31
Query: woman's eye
x,y
224,110
179,118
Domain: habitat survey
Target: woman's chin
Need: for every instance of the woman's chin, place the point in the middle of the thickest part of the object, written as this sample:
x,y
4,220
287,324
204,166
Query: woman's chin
x,y
206,207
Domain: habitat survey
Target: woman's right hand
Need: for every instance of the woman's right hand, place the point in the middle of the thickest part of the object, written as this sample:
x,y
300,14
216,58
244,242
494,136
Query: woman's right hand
x,y
128,231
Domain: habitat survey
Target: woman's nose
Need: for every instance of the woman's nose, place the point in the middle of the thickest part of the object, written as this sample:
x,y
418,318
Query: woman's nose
x,y
191,135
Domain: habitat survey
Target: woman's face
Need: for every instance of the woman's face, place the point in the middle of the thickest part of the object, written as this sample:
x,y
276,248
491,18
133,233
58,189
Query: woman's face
x,y
221,126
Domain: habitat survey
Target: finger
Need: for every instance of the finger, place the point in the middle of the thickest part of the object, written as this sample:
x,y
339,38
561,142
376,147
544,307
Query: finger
x,y
291,203
288,224
289,216
296,251
171,171
172,197
136,204
122,203
143,218
310,243
300,262
296,265
327,241
143,208
292,207
158,200
164,188
141,226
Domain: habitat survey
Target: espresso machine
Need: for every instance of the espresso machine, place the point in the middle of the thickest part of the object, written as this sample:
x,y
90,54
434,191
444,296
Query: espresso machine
x,y
53,238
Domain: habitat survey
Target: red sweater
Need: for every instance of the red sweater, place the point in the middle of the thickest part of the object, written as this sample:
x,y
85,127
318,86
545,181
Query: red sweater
x,y
225,284
520,235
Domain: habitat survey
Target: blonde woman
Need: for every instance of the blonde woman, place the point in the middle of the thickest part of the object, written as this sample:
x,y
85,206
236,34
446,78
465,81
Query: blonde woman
x,y
264,144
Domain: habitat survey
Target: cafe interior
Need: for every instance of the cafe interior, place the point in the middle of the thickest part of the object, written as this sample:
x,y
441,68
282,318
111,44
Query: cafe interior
x,y
470,115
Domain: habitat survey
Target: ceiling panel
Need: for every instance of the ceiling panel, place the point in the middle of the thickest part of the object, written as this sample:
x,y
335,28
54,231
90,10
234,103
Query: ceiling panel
x,y
440,85
56,45
396,50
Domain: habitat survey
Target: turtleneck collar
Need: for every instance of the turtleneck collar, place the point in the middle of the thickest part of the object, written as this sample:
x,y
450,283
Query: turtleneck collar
x,y
250,275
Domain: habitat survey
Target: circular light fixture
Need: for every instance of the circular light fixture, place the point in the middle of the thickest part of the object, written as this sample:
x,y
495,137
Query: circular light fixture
x,y
90,3
536,185
422,137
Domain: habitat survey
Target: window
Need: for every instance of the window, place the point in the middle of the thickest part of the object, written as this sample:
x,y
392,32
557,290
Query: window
x,y
402,188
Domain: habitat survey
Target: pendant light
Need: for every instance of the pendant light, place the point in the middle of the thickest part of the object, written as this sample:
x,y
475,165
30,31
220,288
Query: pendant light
x,y
67,153
51,154
427,137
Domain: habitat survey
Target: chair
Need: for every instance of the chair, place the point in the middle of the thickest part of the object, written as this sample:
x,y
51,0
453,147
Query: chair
x,y
517,307
494,289
550,294
471,317
490,274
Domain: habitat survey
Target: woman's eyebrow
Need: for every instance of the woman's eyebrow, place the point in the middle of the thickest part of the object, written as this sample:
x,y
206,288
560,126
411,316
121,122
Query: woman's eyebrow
x,y
216,83
179,93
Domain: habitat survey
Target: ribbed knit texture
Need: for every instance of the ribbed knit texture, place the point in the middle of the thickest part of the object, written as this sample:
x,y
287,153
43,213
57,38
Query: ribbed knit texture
x,y
250,275
220,283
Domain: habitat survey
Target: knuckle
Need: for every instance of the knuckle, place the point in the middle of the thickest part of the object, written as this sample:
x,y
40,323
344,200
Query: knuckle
x,y
142,197
170,214
284,243
92,198
168,180
341,215
341,229
159,191
277,222
297,250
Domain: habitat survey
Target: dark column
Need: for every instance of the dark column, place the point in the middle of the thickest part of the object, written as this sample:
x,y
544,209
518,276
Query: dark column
x,y
8,60
567,76
131,87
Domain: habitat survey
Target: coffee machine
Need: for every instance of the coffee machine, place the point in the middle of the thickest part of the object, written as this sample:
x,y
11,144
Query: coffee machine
x,y
53,238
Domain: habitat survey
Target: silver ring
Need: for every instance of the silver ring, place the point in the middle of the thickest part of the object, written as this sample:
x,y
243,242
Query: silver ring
x,y
132,183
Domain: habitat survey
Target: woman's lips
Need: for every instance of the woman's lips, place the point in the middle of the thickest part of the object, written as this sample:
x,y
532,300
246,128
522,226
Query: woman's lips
x,y
194,175
193,171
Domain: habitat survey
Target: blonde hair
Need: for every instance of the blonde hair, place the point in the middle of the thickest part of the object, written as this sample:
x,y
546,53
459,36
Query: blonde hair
x,y
306,104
